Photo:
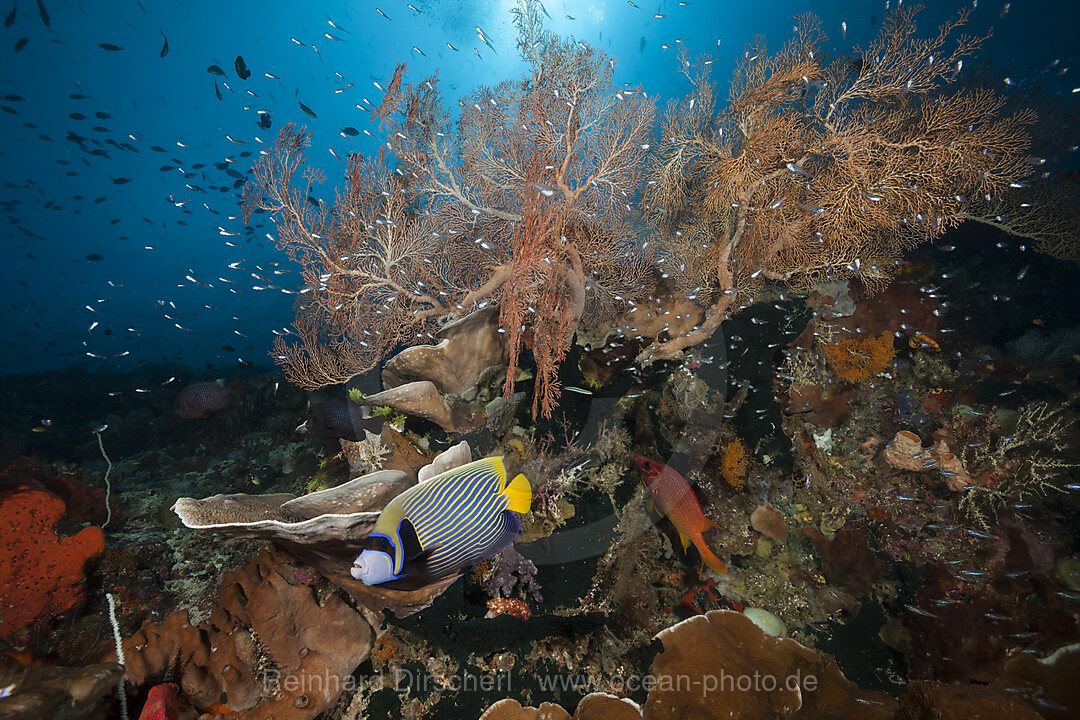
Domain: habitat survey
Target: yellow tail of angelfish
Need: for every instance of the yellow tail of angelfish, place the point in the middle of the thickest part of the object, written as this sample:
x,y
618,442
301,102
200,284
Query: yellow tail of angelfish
x,y
518,494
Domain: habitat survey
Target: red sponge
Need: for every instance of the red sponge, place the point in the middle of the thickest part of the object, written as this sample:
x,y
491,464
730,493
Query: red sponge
x,y
41,573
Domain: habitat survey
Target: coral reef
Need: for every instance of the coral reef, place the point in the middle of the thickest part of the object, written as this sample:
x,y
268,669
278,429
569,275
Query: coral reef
x,y
906,452
366,456
1047,684
722,665
422,399
625,584
1003,459
923,700
725,646
825,404
965,626
894,503
578,467
83,504
1018,459
464,349
510,709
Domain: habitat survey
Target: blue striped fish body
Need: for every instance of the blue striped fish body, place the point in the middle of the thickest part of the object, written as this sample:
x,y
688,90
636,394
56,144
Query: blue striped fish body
x,y
441,526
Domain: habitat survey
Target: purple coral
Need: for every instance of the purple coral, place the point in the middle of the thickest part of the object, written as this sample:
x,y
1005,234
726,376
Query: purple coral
x,y
513,570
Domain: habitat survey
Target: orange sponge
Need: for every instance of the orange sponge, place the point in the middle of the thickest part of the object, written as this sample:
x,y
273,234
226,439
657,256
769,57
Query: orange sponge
x,y
41,573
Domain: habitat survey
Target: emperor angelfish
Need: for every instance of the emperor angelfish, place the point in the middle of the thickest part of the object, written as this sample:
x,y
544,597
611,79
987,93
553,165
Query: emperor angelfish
x,y
429,534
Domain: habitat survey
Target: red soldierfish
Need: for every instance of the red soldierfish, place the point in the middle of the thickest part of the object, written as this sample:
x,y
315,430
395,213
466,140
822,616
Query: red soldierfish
x,y
673,498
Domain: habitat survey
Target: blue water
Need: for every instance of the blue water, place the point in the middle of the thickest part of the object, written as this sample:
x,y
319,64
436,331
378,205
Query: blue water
x,y
61,203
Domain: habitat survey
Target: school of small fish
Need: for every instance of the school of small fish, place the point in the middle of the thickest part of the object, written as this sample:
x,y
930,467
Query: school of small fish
x,y
197,184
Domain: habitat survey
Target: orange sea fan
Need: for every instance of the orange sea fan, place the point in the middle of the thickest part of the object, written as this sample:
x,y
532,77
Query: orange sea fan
x,y
856,360
393,95
734,465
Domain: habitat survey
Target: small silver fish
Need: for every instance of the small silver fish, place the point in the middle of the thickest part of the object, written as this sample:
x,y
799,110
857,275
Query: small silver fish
x,y
919,611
